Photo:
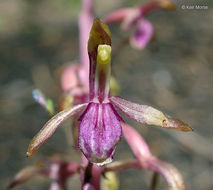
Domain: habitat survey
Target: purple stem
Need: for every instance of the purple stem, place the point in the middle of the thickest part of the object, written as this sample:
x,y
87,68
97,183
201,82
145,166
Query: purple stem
x,y
91,174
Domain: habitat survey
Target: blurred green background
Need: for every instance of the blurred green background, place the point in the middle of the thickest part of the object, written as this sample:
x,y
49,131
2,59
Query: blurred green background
x,y
38,36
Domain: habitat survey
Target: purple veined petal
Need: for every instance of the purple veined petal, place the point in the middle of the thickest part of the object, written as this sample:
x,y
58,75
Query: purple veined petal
x,y
50,127
147,115
99,132
142,34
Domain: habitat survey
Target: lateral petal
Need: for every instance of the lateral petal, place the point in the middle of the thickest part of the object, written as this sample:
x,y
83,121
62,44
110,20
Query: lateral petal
x,y
147,115
49,128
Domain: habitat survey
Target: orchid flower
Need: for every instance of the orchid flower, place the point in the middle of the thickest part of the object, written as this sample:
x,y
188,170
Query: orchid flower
x,y
135,17
59,171
100,129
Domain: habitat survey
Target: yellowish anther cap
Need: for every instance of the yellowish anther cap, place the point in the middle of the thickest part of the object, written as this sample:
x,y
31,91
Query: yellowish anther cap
x,y
104,54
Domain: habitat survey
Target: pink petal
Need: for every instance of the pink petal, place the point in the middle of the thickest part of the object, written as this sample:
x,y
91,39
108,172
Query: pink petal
x,y
148,161
69,77
147,115
136,142
154,5
50,127
116,16
131,19
141,113
142,35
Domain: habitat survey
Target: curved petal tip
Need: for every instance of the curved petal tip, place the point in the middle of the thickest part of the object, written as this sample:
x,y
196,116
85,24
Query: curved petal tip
x,y
172,123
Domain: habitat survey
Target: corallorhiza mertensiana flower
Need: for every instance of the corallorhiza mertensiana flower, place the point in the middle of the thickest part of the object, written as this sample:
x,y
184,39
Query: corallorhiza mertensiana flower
x,y
100,124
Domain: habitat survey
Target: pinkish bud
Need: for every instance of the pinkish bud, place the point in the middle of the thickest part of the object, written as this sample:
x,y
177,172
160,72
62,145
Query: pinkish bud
x,y
142,34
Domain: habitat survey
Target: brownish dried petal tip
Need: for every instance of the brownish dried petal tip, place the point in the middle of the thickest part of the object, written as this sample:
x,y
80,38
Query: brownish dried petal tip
x,y
172,123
